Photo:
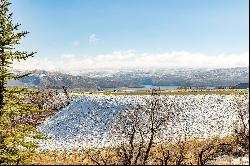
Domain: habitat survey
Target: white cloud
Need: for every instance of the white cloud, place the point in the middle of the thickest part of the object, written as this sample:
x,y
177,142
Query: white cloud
x,y
132,59
93,39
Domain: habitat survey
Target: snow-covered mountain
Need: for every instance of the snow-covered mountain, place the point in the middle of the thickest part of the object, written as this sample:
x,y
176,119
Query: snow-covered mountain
x,y
180,77
184,77
55,80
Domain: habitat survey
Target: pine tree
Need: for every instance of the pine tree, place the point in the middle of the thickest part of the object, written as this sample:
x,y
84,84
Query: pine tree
x,y
15,145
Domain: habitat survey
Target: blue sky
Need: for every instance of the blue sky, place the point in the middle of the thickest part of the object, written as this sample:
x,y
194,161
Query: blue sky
x,y
86,28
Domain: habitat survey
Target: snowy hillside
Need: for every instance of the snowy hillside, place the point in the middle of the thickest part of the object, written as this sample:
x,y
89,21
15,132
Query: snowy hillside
x,y
85,121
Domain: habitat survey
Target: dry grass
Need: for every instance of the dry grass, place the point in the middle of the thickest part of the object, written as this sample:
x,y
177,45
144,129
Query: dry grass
x,y
169,153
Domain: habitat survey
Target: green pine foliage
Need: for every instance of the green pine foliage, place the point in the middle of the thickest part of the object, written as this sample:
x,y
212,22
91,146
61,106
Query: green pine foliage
x,y
16,145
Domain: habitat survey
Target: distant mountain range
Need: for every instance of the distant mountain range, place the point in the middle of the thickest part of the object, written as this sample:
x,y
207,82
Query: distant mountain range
x,y
55,80
136,78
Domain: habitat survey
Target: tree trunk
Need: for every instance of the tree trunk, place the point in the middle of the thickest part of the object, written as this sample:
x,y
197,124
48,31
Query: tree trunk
x,y
2,81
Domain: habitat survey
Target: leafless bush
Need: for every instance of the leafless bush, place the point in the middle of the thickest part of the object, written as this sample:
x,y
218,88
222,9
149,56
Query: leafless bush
x,y
48,101
211,150
136,130
97,157
162,155
241,129
102,156
181,153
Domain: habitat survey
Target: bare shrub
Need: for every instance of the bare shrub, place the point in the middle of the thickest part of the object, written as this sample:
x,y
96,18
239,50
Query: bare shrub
x,y
162,155
212,149
136,130
102,156
241,126
48,101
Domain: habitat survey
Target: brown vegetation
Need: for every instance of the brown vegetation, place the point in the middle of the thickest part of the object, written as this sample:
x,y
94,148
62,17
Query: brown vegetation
x,y
189,152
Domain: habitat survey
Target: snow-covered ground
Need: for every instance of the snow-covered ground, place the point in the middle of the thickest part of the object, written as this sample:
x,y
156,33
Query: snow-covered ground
x,y
230,160
85,121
